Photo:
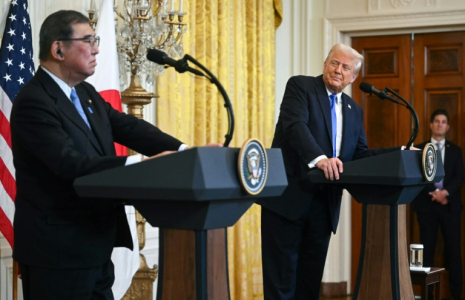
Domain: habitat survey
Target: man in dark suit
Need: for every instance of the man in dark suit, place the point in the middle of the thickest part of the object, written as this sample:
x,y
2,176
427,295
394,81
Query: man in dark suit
x,y
440,205
63,129
318,126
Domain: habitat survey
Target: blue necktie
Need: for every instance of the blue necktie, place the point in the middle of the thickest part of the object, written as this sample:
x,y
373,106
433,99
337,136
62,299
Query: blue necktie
x,y
74,97
439,185
333,98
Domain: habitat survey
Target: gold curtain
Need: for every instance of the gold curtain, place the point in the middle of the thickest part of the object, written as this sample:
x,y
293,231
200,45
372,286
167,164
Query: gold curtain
x,y
235,40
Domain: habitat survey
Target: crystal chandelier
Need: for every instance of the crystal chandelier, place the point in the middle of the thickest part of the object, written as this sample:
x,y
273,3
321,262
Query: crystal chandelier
x,y
146,24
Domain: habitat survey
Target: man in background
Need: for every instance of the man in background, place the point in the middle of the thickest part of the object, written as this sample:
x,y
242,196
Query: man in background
x,y
440,205
318,126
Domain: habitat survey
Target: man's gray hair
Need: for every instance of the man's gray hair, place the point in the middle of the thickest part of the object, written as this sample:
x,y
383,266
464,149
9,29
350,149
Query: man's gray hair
x,y
358,58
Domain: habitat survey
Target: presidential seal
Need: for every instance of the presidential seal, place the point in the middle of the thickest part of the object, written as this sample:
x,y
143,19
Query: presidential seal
x,y
253,166
429,162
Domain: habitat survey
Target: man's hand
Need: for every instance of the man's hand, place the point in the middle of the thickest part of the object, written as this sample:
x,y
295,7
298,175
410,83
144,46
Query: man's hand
x,y
439,196
209,145
159,155
331,167
214,145
409,148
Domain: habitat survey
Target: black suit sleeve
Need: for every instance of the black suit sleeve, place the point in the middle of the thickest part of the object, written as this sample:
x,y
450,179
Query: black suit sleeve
x,y
42,142
455,177
295,117
139,135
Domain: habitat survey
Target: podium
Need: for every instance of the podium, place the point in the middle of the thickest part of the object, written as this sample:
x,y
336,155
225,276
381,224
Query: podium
x,y
192,196
384,184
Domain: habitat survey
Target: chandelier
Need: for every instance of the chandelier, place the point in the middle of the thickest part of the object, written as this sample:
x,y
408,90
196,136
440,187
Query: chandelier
x,y
146,24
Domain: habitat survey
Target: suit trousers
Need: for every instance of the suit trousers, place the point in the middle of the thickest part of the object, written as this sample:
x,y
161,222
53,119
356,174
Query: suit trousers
x,y
70,284
294,252
449,221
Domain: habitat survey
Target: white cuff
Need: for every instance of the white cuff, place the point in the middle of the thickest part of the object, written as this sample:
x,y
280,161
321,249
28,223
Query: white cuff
x,y
132,159
313,163
183,147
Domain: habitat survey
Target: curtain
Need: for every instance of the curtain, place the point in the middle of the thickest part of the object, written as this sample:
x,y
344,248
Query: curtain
x,y
235,40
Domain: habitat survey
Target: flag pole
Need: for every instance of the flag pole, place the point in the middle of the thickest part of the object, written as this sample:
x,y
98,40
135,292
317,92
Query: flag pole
x,y
15,280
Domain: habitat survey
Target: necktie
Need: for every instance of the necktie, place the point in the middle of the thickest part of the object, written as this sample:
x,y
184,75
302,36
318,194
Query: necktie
x,y
74,97
333,98
439,185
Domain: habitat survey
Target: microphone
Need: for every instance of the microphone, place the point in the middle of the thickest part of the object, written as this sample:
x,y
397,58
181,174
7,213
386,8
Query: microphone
x,y
370,89
162,58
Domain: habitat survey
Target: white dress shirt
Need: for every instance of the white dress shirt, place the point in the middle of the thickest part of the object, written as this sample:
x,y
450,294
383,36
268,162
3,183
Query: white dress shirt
x,y
339,118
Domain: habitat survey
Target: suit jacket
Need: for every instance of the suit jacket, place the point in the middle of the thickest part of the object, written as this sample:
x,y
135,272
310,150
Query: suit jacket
x,y
303,133
52,146
452,182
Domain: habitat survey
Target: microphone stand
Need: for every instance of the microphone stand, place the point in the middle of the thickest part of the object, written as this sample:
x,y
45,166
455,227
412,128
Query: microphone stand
x,y
227,102
414,116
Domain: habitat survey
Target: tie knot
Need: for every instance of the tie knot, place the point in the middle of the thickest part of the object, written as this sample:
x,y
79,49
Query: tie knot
x,y
333,98
439,146
73,95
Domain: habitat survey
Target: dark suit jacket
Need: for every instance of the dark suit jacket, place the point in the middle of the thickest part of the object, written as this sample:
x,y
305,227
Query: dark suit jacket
x,y
52,146
453,179
303,133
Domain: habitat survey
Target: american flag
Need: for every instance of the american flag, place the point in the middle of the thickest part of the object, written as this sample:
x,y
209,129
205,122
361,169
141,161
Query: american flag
x,y
16,68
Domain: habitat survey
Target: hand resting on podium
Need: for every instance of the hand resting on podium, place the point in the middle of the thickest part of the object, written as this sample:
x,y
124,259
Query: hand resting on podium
x,y
171,152
333,166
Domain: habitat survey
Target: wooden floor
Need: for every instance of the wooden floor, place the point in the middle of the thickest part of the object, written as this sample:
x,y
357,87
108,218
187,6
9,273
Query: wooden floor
x,y
340,298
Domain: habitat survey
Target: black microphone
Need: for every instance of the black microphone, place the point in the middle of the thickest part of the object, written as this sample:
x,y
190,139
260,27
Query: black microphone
x,y
370,89
162,58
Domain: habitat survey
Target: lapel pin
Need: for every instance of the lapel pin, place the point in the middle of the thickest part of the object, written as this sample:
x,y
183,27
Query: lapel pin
x,y
349,106
90,101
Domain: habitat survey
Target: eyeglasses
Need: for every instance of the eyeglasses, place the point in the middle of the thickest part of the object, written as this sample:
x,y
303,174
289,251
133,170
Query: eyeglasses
x,y
92,40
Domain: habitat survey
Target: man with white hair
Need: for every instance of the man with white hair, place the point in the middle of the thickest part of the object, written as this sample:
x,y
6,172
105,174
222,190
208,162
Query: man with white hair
x,y
318,126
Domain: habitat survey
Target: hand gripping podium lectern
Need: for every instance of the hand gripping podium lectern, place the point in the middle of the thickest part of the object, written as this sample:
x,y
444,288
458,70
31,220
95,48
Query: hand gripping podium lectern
x,y
192,196
384,184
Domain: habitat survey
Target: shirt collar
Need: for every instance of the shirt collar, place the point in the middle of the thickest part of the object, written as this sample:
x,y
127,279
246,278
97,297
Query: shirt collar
x,y
338,95
442,143
63,85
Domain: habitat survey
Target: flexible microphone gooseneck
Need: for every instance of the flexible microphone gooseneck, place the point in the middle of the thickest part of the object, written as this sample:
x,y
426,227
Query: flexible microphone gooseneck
x,y
162,58
383,95
181,66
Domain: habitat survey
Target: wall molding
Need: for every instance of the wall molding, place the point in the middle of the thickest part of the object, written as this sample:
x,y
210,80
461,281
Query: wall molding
x,y
337,28
425,17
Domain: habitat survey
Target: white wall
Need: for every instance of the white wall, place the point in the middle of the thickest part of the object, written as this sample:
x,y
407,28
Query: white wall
x,y
299,42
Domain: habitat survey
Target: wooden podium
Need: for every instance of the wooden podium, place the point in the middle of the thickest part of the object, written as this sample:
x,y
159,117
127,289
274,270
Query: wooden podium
x,y
192,196
384,184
